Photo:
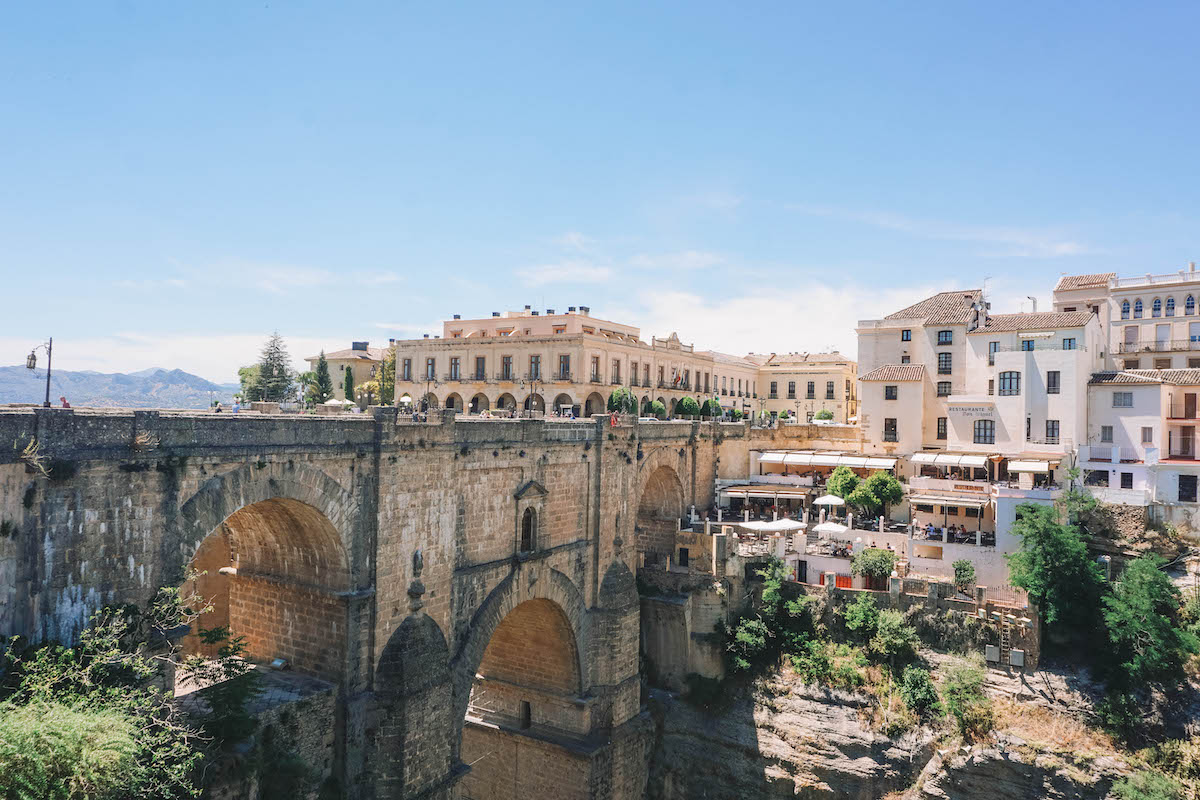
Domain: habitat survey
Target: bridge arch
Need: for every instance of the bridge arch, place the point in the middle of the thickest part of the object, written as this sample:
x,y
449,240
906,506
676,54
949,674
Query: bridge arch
x,y
661,500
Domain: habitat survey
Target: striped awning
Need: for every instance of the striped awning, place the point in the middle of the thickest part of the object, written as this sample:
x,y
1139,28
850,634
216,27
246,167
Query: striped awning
x,y
950,459
942,500
825,460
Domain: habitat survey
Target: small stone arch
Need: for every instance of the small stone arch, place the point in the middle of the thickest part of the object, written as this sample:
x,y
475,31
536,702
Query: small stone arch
x,y
506,402
480,403
429,401
595,404
564,402
646,401
454,401
660,501
663,401
535,402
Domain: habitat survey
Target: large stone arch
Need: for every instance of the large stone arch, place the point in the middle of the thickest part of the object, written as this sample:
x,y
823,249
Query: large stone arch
x,y
529,582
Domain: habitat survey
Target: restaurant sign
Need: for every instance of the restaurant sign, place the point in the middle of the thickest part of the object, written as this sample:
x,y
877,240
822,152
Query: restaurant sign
x,y
973,411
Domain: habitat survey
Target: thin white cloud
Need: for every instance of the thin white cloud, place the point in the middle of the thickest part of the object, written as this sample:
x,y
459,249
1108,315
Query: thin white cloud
x,y
998,241
150,284
567,271
683,260
574,240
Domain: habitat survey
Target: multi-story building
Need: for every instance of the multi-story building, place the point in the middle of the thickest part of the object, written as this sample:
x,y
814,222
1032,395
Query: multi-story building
x,y
526,360
1148,321
804,384
362,360
985,409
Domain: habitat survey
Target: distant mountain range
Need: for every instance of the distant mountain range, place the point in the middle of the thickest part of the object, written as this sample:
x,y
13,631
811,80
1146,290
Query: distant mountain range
x,y
148,388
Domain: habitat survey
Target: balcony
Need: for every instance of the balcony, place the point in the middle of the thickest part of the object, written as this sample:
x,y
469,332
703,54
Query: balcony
x,y
563,377
531,377
1182,451
966,487
1109,454
505,376
595,379
1183,411
1162,346
451,377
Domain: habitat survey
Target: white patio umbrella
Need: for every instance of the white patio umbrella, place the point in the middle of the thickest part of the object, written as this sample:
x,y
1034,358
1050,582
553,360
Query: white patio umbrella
x,y
335,402
829,500
830,527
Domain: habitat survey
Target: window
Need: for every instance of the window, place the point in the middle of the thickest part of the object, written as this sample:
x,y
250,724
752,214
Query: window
x,y
1051,431
454,369
985,431
646,377
928,509
406,370
1069,308
791,390
906,335
993,347
943,389
1053,382
1170,306
430,369
1137,308
945,361
595,369
1132,363
1010,384
1126,480
829,390
941,427
891,392
1187,488
889,430
1106,434
535,367
991,386
1122,400
1028,429
1147,435
633,374
811,390
951,511
775,389
971,512
1189,305
1193,363
480,368
1162,363
1068,344
1156,307
945,337
564,367
1125,310
1026,345
616,371
528,531
905,359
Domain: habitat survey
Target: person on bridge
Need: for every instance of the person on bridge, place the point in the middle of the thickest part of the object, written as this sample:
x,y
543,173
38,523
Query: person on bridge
x,y
64,402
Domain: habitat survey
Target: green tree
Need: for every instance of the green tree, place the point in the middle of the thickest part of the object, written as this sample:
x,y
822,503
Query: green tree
x,y
862,617
348,384
963,692
308,384
711,408
1147,785
687,407
964,574
874,563
658,410
824,413
387,377
1053,566
893,639
784,414
368,391
251,385
736,414
842,482
886,489
622,401
275,374
323,390
919,693
1142,616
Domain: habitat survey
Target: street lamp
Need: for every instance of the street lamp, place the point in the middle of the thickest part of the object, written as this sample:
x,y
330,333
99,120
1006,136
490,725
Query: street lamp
x,y
31,363
533,381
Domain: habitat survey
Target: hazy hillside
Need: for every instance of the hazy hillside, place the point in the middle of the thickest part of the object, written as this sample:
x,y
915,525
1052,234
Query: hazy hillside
x,y
151,388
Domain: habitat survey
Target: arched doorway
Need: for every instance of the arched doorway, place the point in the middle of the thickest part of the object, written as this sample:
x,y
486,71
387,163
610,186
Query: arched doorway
x,y
454,401
276,574
506,402
660,508
664,402
535,402
429,402
646,406
563,404
525,704
594,404
479,403
671,408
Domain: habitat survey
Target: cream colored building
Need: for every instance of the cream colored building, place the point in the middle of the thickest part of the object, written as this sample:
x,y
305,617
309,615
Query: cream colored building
x,y
363,361
803,384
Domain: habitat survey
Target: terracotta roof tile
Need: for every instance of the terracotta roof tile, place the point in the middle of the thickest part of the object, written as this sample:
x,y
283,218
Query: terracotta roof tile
x,y
370,354
1093,281
1035,321
895,372
1172,377
944,308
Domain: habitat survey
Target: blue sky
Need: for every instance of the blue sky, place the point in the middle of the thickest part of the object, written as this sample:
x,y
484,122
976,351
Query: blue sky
x,y
177,180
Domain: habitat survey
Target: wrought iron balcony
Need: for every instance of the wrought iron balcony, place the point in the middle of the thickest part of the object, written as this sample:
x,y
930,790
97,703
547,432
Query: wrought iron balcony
x,y
1160,346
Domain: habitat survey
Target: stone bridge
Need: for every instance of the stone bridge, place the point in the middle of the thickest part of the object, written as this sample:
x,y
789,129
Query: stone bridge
x,y
465,588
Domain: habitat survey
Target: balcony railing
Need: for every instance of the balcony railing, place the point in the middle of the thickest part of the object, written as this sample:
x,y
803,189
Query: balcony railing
x,y
1109,454
530,377
563,377
1185,450
1161,346
1039,344
616,381
1152,280
1183,411
451,377
506,377
595,379
1043,439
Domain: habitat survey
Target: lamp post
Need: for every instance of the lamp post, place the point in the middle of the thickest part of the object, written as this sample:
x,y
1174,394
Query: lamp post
x,y
533,382
31,363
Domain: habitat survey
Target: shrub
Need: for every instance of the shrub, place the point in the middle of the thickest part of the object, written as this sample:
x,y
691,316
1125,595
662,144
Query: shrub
x,y
658,410
812,663
748,644
962,690
919,693
874,563
862,617
1146,785
824,413
687,407
893,639
1120,714
964,574
846,676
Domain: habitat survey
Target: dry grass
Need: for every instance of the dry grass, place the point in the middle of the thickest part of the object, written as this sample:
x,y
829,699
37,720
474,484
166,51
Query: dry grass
x,y
1050,729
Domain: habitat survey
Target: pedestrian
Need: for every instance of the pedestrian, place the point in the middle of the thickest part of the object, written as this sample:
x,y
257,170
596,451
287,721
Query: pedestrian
x,y
64,402
237,405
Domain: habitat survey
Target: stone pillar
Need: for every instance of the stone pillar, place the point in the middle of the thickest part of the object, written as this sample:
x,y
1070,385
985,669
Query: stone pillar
x,y
895,585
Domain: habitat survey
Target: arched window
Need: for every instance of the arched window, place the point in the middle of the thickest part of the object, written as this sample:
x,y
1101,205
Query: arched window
x,y
1170,306
528,531
1137,308
1125,310
1189,305
1156,307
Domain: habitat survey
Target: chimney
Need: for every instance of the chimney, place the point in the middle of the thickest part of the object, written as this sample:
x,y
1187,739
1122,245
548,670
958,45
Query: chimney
x,y
359,345
1191,266
584,310
528,307
495,313
458,316
533,313
391,341
549,312
571,310
427,336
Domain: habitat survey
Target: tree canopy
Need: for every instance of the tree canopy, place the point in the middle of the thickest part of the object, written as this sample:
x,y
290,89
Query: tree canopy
x,y
1141,614
1054,567
251,388
711,408
688,407
873,562
842,482
323,389
275,376
348,384
658,410
824,413
622,401
387,377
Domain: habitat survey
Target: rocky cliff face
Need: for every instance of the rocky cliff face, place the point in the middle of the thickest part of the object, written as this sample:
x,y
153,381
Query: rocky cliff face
x,y
791,742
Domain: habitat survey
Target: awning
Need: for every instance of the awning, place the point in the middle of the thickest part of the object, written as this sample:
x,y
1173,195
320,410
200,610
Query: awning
x,y
772,458
819,460
950,459
826,460
942,500
1028,466
798,459
924,458
766,490
881,463
776,526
